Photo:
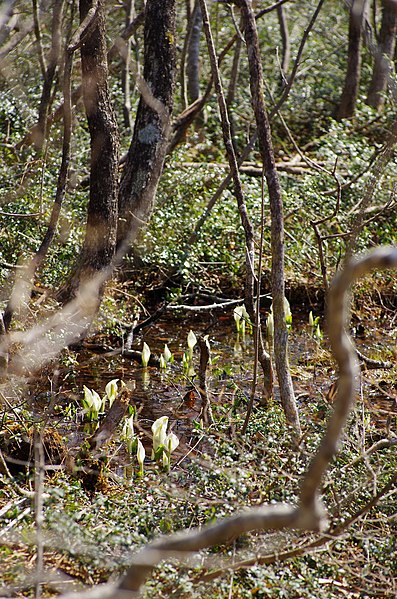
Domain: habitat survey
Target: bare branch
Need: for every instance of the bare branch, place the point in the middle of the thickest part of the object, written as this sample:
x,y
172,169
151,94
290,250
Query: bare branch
x,y
84,29
345,355
275,517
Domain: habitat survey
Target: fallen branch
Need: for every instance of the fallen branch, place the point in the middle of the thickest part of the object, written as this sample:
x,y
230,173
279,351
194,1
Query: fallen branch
x,y
330,535
374,364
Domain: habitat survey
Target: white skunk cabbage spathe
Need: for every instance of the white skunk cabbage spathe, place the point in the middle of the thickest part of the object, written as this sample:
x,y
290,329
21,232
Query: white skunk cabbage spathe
x,y
145,354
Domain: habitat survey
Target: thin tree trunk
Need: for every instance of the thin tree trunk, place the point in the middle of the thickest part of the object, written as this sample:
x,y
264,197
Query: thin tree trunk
x,y
231,91
23,284
37,32
100,236
286,46
125,74
147,151
40,132
349,95
126,34
383,56
277,219
193,56
249,291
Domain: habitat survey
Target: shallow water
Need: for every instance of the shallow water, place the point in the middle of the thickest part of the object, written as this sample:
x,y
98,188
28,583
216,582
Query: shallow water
x,y
174,393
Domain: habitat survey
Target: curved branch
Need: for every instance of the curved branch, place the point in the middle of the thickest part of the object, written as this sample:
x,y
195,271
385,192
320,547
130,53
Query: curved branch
x,y
346,358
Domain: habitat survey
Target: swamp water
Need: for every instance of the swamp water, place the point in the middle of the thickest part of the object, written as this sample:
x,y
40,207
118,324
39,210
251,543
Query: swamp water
x,y
174,393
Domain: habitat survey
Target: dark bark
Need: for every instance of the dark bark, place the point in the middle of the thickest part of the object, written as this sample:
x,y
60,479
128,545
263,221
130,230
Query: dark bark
x,y
100,236
383,56
277,219
147,151
349,95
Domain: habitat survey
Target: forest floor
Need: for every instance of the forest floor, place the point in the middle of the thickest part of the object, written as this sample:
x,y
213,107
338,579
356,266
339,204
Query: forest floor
x,y
95,517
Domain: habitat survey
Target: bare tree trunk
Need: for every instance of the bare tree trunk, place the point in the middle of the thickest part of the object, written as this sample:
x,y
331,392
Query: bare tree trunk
x,y
125,74
348,99
286,46
100,236
193,56
277,219
40,130
231,92
249,290
147,151
383,56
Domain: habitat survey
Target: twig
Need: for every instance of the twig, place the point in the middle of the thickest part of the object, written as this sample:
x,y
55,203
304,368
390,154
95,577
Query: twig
x,y
377,173
206,411
39,470
84,28
270,8
331,534
257,331
38,38
20,215
9,266
275,517
296,65
374,364
205,308
381,444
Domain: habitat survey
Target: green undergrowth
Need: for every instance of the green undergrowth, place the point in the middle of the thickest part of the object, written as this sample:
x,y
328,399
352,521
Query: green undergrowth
x,y
92,535
191,176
